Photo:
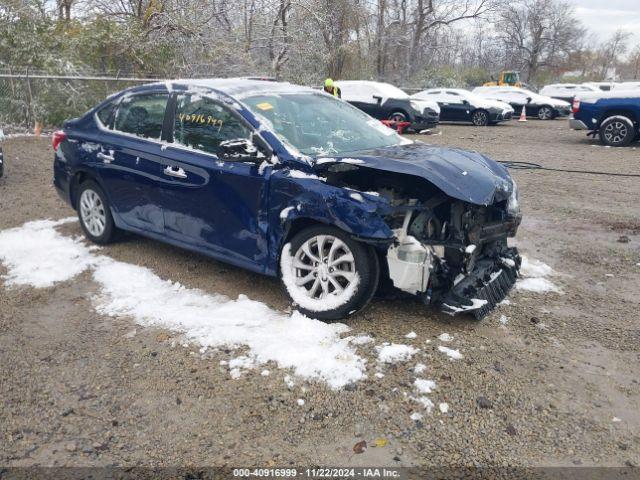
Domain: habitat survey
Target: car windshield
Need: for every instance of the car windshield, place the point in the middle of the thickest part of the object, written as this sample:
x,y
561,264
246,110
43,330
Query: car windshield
x,y
318,124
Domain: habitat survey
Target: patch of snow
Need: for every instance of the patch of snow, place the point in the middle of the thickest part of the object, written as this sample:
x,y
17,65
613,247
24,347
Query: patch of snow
x,y
285,212
379,375
357,197
265,373
470,248
301,174
616,419
419,368
300,402
444,407
538,285
451,353
36,254
534,268
475,304
503,319
445,337
360,340
395,353
415,416
424,386
506,301
534,273
411,335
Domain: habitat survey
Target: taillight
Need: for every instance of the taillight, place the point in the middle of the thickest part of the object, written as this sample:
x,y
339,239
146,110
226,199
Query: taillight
x,y
58,137
576,105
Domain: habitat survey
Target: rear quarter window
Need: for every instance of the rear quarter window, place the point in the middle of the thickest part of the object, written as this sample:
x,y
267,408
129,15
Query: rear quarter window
x,y
142,115
105,115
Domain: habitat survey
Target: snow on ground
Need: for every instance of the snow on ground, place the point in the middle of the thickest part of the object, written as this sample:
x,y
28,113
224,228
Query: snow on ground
x,y
445,337
411,334
444,407
37,255
451,353
424,386
535,273
392,353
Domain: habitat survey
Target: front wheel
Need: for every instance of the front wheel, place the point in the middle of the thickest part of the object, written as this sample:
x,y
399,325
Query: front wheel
x,y
545,113
398,117
617,131
327,274
480,118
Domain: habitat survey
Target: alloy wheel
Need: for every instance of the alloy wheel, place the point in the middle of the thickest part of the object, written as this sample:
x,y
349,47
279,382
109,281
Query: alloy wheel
x,y
480,118
92,212
615,132
324,265
545,113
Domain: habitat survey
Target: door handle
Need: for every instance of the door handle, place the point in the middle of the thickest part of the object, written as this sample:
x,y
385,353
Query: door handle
x,y
106,158
175,172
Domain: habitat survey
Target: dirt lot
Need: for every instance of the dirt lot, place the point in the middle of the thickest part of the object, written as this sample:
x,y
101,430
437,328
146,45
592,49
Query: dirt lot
x,y
557,384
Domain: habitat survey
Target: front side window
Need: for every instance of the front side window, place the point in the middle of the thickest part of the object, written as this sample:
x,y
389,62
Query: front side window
x,y
204,125
142,115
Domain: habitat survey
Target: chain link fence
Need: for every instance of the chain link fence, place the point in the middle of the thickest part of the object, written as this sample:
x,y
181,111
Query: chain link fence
x,y
30,98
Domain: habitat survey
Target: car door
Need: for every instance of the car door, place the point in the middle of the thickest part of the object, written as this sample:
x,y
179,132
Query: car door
x,y
129,159
443,102
458,110
212,200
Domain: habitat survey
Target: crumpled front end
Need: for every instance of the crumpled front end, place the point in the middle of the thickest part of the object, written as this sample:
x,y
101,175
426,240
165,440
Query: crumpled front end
x,y
454,255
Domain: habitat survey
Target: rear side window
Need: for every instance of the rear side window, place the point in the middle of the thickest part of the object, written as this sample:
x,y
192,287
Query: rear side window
x,y
105,115
202,124
142,115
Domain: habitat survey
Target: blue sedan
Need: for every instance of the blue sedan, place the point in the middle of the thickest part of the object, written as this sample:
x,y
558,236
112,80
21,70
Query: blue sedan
x,y
287,181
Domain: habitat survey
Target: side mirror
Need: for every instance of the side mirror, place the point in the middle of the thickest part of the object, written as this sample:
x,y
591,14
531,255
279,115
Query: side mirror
x,y
238,149
465,102
378,99
528,99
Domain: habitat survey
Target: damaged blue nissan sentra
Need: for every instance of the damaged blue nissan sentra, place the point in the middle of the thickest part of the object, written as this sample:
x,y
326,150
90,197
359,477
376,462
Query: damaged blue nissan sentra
x,y
291,182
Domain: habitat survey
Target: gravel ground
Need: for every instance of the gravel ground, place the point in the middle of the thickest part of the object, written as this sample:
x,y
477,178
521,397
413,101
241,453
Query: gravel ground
x,y
80,389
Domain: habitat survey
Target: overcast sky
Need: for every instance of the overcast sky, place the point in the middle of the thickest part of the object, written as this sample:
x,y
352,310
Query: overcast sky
x,y
604,17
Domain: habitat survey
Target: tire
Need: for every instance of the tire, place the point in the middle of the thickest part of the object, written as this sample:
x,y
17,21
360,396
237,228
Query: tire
x,y
545,112
94,214
480,118
617,131
320,299
398,117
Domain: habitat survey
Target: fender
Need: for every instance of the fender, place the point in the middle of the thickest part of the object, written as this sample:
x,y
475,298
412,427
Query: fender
x,y
296,196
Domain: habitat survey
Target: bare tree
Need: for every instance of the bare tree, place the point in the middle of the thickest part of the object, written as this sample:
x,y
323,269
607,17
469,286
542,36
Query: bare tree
x,y
539,33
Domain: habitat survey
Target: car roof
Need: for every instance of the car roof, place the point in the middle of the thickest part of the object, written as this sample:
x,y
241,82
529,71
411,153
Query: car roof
x,y
234,87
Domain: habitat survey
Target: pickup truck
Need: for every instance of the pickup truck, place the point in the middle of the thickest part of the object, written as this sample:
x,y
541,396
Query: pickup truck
x,y
614,116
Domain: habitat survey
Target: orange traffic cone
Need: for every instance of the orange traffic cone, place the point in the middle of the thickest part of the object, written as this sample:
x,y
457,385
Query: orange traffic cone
x,y
523,114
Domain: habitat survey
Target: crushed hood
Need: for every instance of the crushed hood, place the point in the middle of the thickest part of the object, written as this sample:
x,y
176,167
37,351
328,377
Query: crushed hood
x,y
461,174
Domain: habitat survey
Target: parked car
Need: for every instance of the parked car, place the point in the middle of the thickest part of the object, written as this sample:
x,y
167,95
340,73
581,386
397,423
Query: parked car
x,y
603,86
287,181
626,86
458,105
566,91
614,116
543,107
387,102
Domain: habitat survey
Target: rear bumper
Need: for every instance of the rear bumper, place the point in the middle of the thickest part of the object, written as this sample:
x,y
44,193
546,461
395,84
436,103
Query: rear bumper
x,y
576,124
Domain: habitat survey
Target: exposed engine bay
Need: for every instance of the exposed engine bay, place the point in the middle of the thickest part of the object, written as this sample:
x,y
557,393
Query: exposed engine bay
x,y
451,253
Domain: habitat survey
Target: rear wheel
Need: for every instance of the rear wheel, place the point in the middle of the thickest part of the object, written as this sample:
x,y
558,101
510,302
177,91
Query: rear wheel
x,y
94,214
398,117
327,274
545,113
480,118
617,131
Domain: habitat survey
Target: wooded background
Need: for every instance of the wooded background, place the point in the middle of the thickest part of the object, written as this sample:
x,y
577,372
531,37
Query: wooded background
x,y
411,43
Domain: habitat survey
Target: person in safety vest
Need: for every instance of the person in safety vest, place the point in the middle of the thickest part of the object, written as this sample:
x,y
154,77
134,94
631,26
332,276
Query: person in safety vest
x,y
332,89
